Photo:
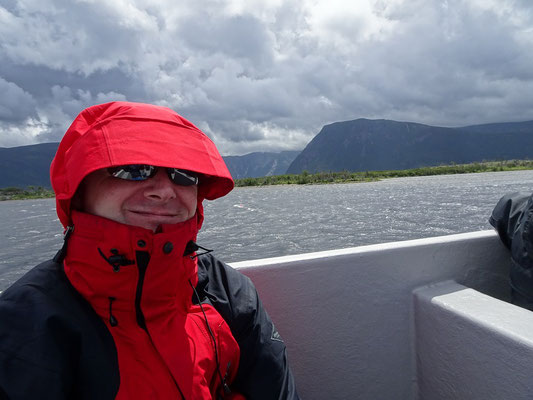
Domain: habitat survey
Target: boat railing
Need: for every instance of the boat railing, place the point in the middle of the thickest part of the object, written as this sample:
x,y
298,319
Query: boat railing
x,y
419,319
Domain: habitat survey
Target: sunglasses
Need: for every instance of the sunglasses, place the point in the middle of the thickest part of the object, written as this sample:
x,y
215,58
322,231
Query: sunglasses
x,y
142,172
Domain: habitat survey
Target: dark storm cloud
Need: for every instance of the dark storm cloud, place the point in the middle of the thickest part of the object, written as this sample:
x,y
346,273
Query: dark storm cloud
x,y
40,79
15,104
264,75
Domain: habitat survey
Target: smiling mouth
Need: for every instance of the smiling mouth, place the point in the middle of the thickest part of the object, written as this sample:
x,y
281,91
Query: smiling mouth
x,y
152,213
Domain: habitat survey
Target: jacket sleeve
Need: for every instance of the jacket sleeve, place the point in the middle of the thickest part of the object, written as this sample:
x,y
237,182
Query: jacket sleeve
x,y
513,219
31,351
264,372
52,344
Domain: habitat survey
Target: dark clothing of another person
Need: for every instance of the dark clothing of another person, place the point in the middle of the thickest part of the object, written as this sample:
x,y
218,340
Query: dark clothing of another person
x,y
513,219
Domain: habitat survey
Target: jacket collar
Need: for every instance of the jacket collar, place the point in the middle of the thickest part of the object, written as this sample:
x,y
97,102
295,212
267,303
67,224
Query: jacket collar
x,y
104,260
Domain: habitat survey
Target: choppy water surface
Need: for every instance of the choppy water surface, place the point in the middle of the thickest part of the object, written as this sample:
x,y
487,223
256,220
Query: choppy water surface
x,y
280,220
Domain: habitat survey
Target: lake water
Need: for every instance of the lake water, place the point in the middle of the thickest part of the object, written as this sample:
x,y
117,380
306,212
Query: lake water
x,y
272,221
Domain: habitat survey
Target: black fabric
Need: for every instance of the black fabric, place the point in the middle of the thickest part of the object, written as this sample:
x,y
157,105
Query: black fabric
x,y
52,344
513,219
264,372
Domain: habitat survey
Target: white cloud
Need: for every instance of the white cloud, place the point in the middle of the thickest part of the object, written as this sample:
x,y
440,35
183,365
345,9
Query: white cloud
x,y
249,137
21,134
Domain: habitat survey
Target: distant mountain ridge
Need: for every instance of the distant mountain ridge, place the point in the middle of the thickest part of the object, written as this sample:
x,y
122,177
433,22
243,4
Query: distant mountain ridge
x,y
259,164
26,165
30,165
365,145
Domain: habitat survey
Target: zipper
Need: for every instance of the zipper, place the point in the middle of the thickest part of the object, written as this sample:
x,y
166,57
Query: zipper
x,y
143,258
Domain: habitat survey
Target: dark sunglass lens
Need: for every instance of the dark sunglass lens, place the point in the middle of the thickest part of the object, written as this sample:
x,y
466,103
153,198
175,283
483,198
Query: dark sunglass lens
x,y
182,177
134,172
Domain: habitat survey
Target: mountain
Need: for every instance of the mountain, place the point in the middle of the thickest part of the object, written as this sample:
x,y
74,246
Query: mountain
x,y
365,145
30,165
26,165
255,165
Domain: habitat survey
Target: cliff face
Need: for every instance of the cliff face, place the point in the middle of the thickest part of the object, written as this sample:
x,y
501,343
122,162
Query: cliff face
x,y
365,145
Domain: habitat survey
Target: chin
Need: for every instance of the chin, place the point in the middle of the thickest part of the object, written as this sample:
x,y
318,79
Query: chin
x,y
154,224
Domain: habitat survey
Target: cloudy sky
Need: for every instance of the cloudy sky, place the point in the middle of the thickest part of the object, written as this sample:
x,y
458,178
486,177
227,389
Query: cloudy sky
x,y
265,75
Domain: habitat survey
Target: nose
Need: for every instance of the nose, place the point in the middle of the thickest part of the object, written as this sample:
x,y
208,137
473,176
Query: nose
x,y
160,187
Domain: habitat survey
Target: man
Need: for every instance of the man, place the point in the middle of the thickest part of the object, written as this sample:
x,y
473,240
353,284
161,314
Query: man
x,y
513,219
131,307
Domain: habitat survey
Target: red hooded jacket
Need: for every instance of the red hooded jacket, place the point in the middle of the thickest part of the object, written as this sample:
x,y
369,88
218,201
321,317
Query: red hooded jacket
x,y
147,305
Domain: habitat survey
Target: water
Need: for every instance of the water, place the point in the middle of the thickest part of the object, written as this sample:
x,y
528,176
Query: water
x,y
253,223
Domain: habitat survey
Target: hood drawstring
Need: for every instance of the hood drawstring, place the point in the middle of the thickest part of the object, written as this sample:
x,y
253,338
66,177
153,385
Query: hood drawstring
x,y
225,387
116,260
192,247
112,320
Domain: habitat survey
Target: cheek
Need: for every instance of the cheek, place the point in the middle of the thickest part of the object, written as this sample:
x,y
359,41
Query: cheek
x,y
105,200
98,203
191,200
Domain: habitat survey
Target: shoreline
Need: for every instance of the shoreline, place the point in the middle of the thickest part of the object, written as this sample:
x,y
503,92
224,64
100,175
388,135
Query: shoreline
x,y
321,178
306,178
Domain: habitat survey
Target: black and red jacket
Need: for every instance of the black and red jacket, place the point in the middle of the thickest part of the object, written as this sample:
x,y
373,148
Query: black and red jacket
x,y
119,319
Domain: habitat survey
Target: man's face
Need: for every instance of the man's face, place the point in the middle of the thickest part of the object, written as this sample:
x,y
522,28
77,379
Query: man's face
x,y
147,204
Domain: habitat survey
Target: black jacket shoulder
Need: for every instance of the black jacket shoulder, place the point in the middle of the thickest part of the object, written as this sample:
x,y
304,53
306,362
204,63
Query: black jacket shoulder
x,y
507,216
232,294
513,219
49,337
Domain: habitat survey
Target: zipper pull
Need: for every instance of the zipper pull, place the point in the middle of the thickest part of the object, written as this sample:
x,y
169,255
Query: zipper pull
x,y
227,390
112,320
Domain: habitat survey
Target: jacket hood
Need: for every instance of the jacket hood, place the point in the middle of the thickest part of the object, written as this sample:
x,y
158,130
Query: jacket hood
x,y
120,133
